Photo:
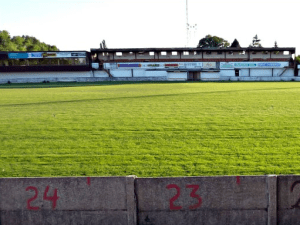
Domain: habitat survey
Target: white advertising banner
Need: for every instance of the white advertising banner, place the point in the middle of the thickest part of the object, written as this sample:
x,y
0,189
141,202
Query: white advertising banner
x,y
191,65
38,55
159,65
246,65
209,65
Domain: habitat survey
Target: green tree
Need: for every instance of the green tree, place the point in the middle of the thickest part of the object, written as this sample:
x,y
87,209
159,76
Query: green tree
x,y
23,43
19,42
212,42
255,42
4,40
235,44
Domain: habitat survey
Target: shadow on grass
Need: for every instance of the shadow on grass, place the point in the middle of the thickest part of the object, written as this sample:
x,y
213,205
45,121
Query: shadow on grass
x,y
82,84
108,83
147,96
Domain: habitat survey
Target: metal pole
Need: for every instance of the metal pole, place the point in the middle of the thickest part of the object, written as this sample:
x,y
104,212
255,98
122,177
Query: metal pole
x,y
187,24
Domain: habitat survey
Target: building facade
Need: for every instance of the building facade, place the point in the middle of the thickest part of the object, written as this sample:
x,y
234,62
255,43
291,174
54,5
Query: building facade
x,y
151,64
219,64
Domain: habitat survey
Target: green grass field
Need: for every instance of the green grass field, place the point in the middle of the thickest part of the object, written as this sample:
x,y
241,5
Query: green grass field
x,y
149,129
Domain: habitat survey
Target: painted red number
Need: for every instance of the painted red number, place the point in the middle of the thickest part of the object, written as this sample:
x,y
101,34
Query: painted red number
x,y
172,200
194,195
53,198
33,198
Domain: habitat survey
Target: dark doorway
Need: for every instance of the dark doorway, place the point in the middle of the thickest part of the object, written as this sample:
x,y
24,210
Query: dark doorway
x,y
237,73
193,75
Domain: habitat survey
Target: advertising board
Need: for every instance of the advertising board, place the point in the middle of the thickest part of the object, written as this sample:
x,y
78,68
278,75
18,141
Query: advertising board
x,y
209,65
18,55
129,65
247,65
163,65
38,55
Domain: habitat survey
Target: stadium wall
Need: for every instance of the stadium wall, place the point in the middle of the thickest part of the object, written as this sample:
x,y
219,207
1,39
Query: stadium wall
x,y
276,74
130,200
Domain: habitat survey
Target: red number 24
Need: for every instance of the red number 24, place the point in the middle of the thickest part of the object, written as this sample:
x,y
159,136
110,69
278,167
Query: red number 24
x,y
53,198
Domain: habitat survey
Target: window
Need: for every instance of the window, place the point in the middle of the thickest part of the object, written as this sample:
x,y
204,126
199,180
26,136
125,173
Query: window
x,y
242,53
174,53
253,53
163,53
186,53
286,52
118,53
208,53
220,53
151,53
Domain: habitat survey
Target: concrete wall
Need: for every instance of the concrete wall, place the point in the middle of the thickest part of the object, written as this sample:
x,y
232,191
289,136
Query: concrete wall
x,y
192,55
177,76
244,73
157,201
148,75
213,55
100,73
280,55
121,73
144,73
95,200
209,76
260,72
227,73
36,77
236,55
286,73
45,75
281,78
288,200
202,200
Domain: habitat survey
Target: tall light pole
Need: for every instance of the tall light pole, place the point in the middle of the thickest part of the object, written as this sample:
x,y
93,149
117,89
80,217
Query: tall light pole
x,y
188,26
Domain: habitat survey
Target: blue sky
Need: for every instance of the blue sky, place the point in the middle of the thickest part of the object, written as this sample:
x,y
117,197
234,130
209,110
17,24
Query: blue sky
x,y
83,24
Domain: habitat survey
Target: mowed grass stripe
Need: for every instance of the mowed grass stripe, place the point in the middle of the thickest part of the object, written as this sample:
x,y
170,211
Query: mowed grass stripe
x,y
168,129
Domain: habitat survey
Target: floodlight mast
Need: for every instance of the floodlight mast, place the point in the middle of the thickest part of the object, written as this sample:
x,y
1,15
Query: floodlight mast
x,y
187,24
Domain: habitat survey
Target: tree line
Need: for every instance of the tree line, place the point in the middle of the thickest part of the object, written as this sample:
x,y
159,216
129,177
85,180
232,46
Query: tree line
x,y
28,43
23,43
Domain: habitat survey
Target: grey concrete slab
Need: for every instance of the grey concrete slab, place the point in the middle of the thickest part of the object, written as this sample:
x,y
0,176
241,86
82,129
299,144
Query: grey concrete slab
x,y
227,200
205,217
288,206
46,217
45,198
272,206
